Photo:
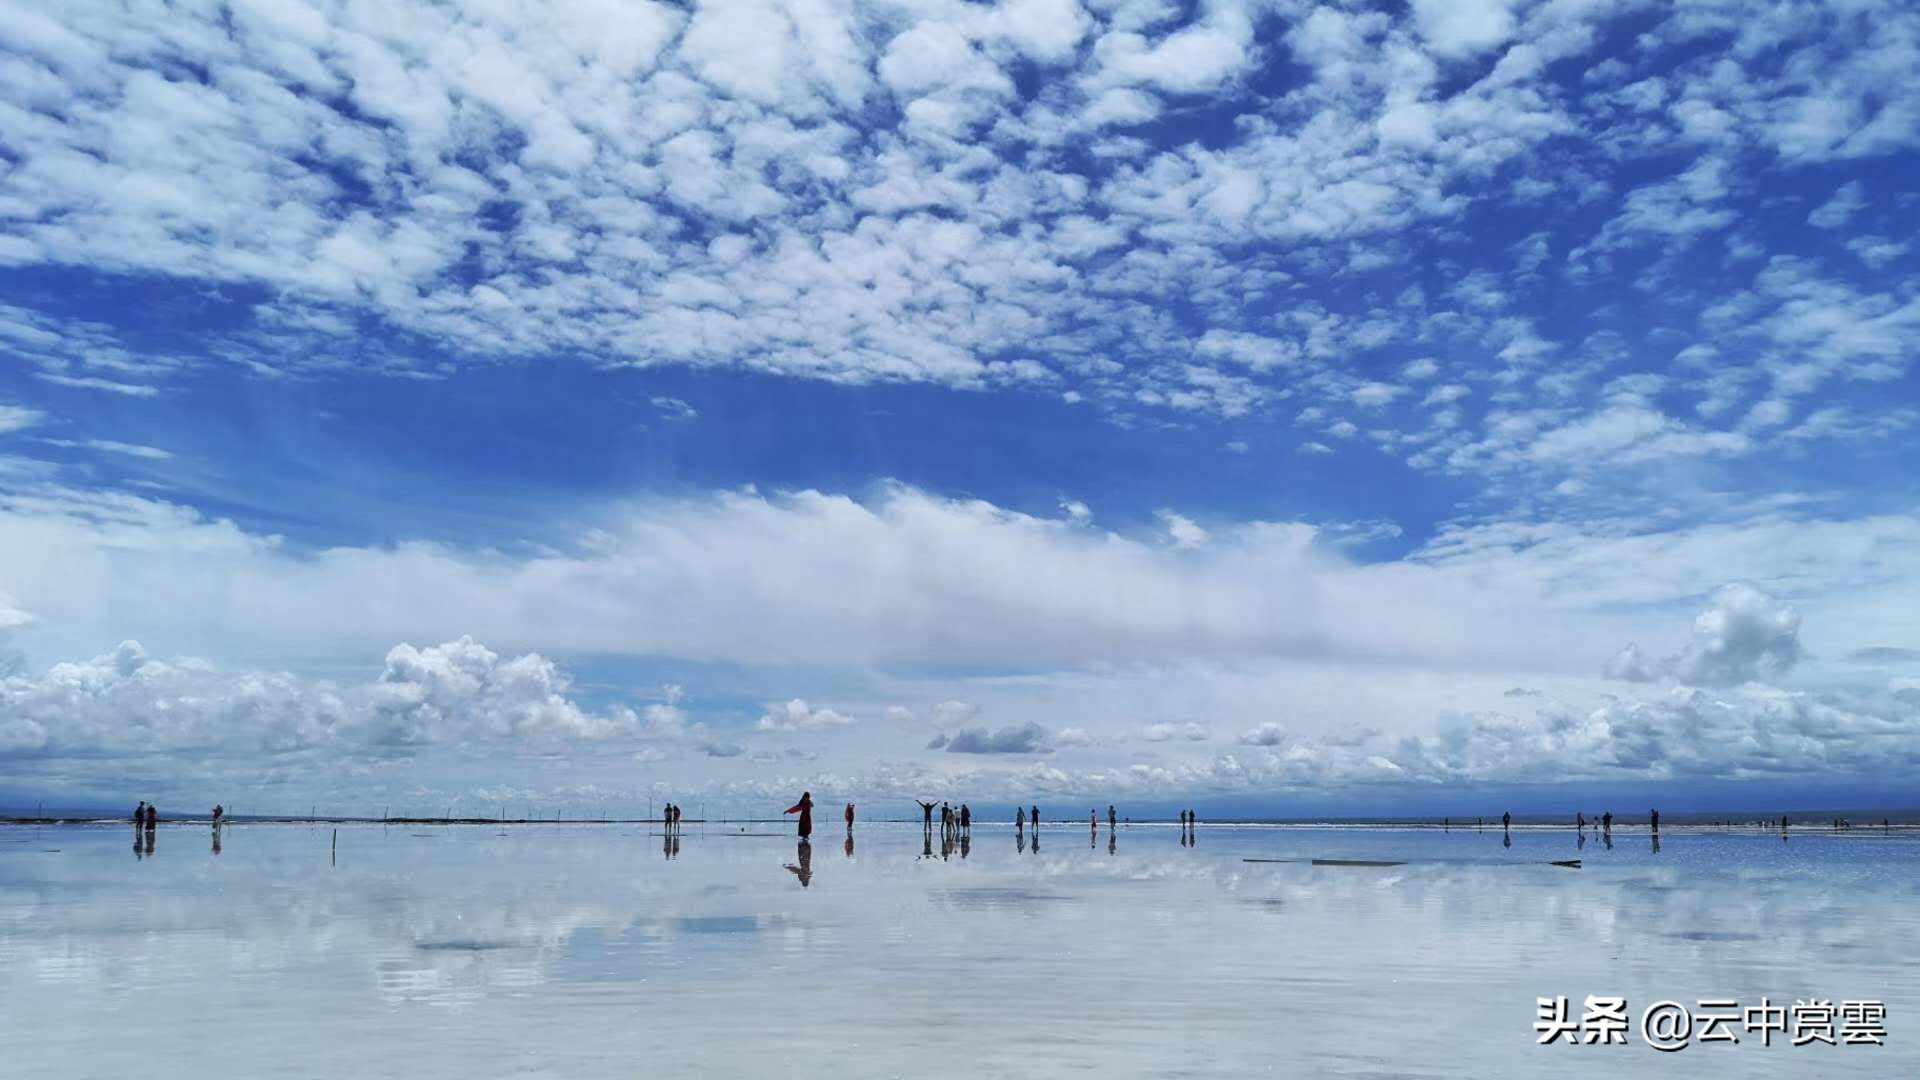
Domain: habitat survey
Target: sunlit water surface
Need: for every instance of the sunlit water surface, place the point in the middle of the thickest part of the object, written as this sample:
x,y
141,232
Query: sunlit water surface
x,y
589,951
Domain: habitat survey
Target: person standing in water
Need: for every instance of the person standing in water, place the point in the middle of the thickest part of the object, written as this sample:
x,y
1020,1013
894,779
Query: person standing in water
x,y
926,814
1506,820
805,809
1020,819
140,814
1113,820
966,822
1654,816
849,819
1580,820
1033,815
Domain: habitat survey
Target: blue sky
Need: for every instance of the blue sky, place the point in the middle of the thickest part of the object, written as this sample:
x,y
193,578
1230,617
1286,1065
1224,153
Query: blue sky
x,y
1273,403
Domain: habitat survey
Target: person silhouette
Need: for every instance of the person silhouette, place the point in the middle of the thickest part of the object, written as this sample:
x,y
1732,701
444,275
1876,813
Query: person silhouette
x,y
1113,821
804,871
966,844
1656,843
1654,816
140,814
966,820
1033,815
1112,841
849,819
1036,841
849,845
1020,841
1506,839
805,809
926,841
1506,820
926,814
1019,818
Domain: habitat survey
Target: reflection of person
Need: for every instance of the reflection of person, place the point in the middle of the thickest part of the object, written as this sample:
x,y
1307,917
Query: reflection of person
x,y
1656,843
1506,839
804,871
805,809
849,844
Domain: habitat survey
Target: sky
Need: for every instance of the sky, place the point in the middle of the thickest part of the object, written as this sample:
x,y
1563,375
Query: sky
x,y
1240,403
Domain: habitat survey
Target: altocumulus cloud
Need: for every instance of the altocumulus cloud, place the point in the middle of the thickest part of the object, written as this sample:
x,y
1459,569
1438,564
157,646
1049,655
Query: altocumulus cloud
x,y
864,192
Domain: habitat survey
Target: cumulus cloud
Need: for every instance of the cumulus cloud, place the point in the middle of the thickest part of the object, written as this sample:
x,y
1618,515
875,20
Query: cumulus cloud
x,y
1164,732
454,694
1028,738
1264,734
1742,635
797,715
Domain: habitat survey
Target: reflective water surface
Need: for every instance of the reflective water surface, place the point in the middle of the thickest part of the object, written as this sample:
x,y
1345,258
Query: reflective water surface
x,y
588,951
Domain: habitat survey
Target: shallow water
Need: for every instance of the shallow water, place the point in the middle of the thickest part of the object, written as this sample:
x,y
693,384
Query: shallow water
x,y
586,951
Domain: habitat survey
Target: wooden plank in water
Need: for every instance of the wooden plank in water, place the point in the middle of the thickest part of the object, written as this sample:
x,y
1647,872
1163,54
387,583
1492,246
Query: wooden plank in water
x,y
1571,864
1357,862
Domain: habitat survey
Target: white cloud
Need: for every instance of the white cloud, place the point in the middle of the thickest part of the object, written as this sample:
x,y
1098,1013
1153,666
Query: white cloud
x,y
18,418
1164,732
1183,530
1837,211
1742,635
1459,28
672,408
797,715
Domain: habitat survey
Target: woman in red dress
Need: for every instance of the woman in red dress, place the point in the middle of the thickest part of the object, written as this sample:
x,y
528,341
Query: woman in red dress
x,y
805,809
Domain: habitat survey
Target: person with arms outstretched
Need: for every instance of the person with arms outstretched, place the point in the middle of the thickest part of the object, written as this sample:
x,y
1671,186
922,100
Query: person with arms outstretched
x,y
805,809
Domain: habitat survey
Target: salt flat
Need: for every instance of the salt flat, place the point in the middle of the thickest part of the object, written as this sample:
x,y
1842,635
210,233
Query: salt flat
x,y
587,951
